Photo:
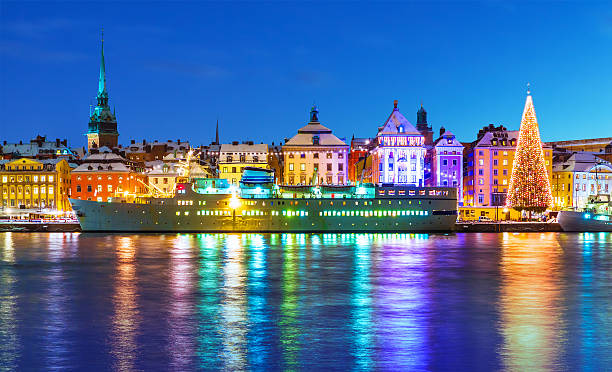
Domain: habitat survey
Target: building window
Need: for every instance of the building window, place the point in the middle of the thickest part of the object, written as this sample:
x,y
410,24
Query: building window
x,y
480,153
165,180
480,161
480,172
109,188
505,162
302,156
340,179
329,167
50,178
233,169
255,159
315,155
340,168
328,179
290,155
329,155
340,155
99,188
480,198
302,167
88,188
505,172
78,189
444,162
242,158
290,166
494,161
494,172
481,181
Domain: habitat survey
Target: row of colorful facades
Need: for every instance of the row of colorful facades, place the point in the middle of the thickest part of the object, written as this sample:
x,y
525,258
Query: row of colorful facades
x,y
44,174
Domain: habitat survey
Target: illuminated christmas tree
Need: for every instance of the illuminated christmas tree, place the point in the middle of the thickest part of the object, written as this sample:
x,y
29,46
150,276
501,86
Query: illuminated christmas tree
x,y
529,184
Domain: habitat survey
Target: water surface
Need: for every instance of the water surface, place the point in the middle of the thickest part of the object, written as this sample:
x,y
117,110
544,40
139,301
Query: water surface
x,y
182,302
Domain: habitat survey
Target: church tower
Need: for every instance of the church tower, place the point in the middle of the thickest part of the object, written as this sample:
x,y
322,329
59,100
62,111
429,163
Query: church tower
x,y
102,129
423,127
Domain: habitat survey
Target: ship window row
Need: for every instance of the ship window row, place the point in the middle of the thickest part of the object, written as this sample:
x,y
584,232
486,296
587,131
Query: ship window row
x,y
413,192
383,213
185,202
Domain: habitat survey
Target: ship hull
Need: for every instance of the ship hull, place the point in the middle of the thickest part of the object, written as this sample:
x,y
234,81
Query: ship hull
x,y
572,221
213,214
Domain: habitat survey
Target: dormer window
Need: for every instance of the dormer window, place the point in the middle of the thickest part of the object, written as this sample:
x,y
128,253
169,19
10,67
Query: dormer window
x,y
315,140
494,141
401,128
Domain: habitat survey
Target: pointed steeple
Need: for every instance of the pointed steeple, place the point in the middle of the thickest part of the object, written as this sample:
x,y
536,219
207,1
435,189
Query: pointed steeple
x,y
102,92
217,133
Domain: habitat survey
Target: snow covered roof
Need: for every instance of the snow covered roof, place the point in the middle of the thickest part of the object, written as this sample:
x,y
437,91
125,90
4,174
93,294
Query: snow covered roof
x,y
244,148
106,156
106,167
581,162
397,124
448,139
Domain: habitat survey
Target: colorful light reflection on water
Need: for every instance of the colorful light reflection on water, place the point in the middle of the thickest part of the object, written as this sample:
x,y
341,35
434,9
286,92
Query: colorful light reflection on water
x,y
306,301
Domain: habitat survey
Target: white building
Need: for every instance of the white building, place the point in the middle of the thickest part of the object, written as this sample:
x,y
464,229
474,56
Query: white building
x,y
399,156
315,156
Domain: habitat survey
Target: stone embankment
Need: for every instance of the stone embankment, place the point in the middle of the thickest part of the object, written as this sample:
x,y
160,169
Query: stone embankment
x,y
40,227
508,227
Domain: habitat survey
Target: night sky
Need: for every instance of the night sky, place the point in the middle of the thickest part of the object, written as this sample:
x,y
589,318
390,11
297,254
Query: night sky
x,y
174,69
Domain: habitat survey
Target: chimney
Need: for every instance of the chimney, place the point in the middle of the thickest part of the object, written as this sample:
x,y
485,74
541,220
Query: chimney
x,y
178,141
65,142
133,142
21,142
442,130
57,142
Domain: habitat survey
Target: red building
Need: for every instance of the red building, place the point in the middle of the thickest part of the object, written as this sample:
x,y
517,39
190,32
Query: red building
x,y
105,175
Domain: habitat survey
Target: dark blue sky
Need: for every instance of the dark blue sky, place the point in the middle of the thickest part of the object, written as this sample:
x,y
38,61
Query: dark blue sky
x,y
173,69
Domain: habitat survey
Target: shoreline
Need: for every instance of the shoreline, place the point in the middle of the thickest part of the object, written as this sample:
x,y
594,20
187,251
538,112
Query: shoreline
x,y
475,227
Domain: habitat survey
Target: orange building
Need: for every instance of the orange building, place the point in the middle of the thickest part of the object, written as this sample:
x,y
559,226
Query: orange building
x,y
488,166
105,175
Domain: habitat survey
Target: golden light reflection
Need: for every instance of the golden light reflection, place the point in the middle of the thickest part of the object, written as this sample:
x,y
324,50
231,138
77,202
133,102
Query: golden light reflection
x,y
531,302
125,314
9,342
234,306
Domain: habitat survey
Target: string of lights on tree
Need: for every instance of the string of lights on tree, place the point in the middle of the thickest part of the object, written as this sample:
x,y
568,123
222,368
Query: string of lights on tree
x,y
529,184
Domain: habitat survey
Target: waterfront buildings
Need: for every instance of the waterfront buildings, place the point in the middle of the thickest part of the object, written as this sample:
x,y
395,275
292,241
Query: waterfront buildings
x,y
447,163
149,151
488,166
102,130
235,156
33,183
398,155
37,148
315,155
106,174
578,176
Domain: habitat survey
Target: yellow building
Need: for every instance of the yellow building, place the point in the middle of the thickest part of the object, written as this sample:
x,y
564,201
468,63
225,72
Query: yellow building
x,y
501,213
234,157
31,183
578,178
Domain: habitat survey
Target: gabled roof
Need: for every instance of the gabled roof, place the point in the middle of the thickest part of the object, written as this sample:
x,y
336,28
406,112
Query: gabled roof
x,y
443,141
581,162
306,134
397,124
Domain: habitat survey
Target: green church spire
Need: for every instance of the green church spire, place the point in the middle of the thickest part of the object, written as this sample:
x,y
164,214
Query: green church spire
x,y
102,81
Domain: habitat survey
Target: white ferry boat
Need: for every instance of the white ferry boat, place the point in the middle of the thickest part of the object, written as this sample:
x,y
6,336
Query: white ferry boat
x,y
257,205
